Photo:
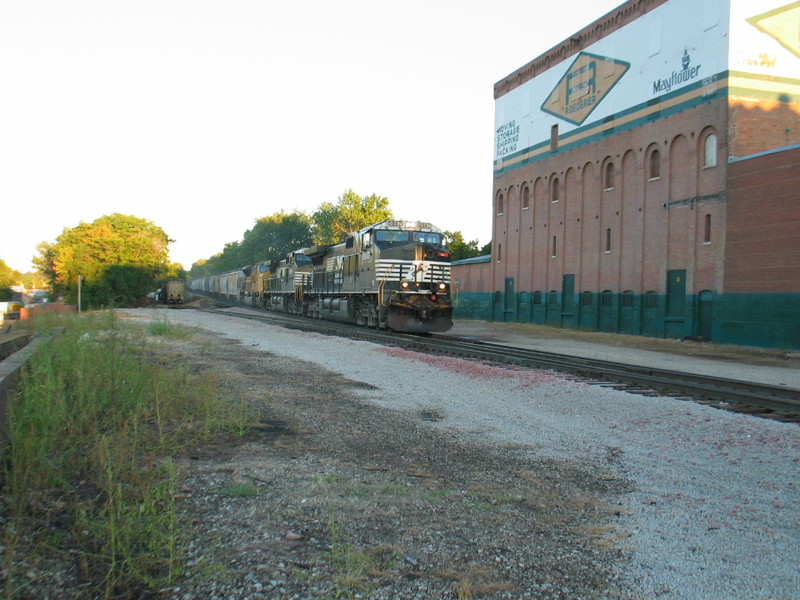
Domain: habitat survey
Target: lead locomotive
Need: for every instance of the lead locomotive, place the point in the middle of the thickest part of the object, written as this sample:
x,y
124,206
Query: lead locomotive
x,y
394,274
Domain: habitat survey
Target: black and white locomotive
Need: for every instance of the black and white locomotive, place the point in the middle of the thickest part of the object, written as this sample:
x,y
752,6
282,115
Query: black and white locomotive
x,y
393,275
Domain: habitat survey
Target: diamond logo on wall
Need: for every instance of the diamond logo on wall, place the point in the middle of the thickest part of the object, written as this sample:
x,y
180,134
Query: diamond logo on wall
x,y
587,81
783,24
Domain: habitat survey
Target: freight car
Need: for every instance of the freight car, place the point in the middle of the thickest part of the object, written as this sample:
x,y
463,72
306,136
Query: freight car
x,y
172,292
390,275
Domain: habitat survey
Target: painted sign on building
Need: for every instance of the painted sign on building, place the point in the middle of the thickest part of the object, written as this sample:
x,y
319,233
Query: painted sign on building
x,y
672,57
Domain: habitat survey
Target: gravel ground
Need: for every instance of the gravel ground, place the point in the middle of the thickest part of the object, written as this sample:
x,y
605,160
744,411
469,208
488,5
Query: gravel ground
x,y
485,482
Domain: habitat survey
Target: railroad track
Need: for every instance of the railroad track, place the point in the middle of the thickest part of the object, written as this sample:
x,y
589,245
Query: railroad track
x,y
779,402
12,343
769,400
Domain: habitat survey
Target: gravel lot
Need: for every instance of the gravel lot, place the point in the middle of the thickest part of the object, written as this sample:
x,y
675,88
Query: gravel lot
x,y
384,473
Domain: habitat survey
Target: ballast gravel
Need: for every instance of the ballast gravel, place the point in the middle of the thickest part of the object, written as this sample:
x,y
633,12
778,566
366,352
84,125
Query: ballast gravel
x,y
710,509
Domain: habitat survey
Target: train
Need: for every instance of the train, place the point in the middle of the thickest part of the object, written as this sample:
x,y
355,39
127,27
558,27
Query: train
x,y
390,275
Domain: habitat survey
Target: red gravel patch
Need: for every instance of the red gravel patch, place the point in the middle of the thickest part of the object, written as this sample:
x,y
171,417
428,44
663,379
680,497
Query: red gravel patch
x,y
477,370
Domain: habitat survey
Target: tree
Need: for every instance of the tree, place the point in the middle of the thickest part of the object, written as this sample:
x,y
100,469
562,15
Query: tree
x,y
459,249
271,238
118,257
8,277
332,222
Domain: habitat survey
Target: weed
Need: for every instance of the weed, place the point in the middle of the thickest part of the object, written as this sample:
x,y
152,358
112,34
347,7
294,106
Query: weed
x,y
163,327
355,569
91,423
240,490
463,590
328,479
436,494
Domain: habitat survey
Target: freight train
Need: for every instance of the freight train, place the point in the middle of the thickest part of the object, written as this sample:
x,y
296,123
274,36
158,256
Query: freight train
x,y
390,275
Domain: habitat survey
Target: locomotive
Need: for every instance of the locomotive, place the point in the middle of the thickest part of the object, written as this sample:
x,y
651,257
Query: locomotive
x,y
390,275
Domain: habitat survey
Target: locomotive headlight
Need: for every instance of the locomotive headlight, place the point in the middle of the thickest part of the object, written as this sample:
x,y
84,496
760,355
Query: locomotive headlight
x,y
404,285
442,287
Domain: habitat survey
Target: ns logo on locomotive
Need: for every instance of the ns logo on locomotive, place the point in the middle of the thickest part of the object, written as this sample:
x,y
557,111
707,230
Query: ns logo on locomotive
x,y
390,275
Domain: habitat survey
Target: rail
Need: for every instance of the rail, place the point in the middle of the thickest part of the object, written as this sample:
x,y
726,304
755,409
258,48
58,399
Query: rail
x,y
781,402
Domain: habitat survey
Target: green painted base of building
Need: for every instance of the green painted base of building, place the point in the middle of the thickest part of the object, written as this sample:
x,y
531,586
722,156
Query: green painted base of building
x,y
763,320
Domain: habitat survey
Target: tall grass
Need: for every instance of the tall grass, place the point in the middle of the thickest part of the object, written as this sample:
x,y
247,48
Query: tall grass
x,y
100,409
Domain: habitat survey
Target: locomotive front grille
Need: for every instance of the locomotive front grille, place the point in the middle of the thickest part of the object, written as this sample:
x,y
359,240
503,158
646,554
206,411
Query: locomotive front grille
x,y
420,271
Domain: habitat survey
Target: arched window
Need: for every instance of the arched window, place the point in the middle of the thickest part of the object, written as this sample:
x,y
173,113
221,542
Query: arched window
x,y
710,151
500,203
609,176
526,198
555,190
655,165
627,299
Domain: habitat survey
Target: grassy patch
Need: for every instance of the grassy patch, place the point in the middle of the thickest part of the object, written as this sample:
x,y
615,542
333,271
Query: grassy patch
x,y
163,327
89,481
241,491
357,570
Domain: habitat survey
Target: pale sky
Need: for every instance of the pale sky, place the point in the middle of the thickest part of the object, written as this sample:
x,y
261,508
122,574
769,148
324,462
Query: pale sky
x,y
205,115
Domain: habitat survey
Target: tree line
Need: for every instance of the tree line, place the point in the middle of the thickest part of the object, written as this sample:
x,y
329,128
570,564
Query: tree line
x,y
116,259
274,236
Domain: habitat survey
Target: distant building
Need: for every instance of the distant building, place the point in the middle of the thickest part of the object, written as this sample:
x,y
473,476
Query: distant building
x,y
647,177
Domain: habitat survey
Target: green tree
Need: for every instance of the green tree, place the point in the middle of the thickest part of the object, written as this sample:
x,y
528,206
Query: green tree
x,y
8,277
332,222
118,257
273,237
459,249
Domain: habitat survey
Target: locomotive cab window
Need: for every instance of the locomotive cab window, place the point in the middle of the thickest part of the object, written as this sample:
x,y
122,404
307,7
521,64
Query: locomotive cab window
x,y
301,260
386,237
391,236
428,238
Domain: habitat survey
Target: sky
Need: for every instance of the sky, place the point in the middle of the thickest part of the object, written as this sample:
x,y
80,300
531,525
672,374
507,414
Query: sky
x,y
203,116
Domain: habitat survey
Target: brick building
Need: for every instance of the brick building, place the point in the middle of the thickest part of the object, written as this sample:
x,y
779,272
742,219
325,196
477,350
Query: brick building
x,y
647,178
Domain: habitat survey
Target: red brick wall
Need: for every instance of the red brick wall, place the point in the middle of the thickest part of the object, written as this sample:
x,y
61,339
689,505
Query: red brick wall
x,y
35,310
474,277
655,224
763,224
762,125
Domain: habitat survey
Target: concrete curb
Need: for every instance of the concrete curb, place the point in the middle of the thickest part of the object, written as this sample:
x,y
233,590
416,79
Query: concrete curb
x,y
9,372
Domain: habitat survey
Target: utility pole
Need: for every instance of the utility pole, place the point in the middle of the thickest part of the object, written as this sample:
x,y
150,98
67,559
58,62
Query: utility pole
x,y
80,277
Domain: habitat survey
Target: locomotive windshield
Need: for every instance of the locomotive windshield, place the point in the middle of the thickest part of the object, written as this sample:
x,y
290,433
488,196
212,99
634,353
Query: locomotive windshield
x,y
392,236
